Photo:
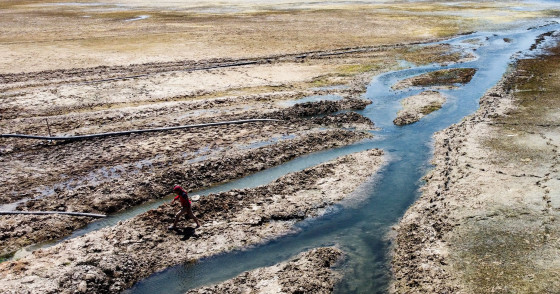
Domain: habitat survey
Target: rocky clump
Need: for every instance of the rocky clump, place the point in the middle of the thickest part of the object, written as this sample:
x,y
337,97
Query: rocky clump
x,y
309,272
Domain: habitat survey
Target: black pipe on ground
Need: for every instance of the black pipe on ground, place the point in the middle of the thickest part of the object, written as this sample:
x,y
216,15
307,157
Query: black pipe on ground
x,y
91,136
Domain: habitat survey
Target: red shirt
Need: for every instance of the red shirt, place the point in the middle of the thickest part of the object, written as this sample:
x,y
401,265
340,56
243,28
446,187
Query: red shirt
x,y
183,198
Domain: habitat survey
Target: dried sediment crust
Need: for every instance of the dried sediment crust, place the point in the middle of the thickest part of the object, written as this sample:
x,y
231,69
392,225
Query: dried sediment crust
x,y
309,272
112,259
417,106
487,220
420,257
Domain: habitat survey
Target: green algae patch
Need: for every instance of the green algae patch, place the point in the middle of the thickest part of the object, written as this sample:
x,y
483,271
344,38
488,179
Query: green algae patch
x,y
423,55
430,108
353,69
6,257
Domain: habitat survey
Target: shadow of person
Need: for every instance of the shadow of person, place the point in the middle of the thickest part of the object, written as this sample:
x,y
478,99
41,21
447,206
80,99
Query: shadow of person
x,y
186,233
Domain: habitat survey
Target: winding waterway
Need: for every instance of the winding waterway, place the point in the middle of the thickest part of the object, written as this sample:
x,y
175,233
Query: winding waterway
x,y
358,226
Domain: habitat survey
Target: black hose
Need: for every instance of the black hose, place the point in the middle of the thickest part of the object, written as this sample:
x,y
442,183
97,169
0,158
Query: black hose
x,y
85,137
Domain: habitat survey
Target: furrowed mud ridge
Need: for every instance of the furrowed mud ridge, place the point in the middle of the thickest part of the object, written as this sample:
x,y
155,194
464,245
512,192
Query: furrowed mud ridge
x,y
106,194
113,73
112,259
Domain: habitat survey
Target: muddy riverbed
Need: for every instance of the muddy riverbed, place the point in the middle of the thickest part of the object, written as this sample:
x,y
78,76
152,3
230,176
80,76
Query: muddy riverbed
x,y
110,174
309,272
114,258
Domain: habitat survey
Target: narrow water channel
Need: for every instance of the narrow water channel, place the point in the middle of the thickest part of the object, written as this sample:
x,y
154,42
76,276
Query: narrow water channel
x,y
360,227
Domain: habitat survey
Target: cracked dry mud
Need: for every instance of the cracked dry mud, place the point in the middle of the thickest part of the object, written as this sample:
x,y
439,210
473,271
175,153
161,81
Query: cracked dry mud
x,y
114,258
487,220
308,272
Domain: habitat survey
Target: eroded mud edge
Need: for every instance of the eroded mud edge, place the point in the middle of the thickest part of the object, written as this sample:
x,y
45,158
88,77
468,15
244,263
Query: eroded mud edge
x,y
19,231
308,272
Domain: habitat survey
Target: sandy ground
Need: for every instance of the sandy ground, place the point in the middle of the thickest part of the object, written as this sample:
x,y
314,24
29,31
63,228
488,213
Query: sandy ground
x,y
487,220
309,272
112,259
416,107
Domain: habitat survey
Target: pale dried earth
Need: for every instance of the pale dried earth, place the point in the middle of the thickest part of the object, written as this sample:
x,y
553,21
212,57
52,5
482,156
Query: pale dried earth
x,y
45,35
487,219
114,258
308,272
416,107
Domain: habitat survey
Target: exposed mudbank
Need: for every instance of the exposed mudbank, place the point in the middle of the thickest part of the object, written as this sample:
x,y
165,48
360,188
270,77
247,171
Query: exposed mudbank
x,y
417,106
487,220
112,259
309,272
444,78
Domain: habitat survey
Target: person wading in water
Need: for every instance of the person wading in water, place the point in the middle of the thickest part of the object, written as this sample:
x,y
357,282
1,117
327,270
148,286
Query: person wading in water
x,y
186,207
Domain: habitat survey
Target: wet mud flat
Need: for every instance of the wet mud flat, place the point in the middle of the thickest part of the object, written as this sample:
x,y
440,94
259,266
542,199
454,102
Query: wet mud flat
x,y
486,221
308,272
112,259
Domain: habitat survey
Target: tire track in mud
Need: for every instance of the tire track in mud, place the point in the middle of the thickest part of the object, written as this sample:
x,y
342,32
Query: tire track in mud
x,y
112,259
113,73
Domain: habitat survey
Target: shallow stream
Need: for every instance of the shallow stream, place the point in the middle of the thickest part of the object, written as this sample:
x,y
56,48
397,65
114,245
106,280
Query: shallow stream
x,y
358,226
